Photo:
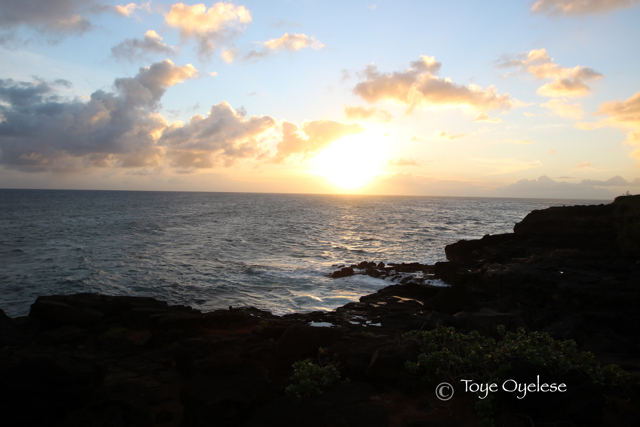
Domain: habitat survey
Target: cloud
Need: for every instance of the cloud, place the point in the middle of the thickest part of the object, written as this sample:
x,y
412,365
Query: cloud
x,y
567,82
563,109
363,113
415,138
545,187
447,135
288,42
208,26
151,82
403,162
221,138
140,48
580,7
293,42
130,8
616,181
311,137
418,86
229,55
41,132
584,165
23,94
625,114
58,17
484,117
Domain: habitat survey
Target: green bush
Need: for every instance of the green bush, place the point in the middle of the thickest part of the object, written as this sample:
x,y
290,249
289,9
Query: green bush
x,y
447,355
310,380
450,355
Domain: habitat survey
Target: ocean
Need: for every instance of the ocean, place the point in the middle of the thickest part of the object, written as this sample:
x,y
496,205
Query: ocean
x,y
214,250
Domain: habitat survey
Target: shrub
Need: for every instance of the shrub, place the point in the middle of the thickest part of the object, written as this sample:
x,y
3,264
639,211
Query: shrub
x,y
310,380
450,355
447,355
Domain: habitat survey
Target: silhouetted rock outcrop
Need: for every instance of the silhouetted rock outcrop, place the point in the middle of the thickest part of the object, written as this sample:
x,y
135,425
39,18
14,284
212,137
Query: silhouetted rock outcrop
x,y
98,360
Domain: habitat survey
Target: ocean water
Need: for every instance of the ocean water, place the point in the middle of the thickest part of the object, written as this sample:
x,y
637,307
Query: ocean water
x,y
213,250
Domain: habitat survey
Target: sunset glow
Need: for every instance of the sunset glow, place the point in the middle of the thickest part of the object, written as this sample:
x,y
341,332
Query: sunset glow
x,y
352,161
500,99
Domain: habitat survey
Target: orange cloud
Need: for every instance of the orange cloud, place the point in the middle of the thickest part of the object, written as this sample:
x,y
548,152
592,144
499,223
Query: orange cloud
x,y
363,113
567,82
447,135
484,117
580,7
128,9
563,109
207,26
625,114
585,165
229,55
293,42
311,137
288,42
418,86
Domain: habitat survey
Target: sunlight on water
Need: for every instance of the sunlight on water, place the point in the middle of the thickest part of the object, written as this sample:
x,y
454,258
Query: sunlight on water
x,y
212,250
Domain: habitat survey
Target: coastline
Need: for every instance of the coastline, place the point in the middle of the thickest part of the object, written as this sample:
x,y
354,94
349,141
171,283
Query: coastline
x,y
80,359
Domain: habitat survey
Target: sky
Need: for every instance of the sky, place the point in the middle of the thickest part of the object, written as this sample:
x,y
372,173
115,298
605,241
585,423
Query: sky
x,y
429,98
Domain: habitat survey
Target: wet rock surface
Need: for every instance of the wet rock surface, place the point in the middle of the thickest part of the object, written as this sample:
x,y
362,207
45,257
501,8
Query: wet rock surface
x,y
97,360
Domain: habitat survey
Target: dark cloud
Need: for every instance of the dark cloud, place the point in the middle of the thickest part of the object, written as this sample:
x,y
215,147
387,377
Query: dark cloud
x,y
51,16
221,138
22,94
41,132
150,44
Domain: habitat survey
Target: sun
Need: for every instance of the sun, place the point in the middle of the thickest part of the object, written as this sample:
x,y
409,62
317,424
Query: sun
x,y
351,162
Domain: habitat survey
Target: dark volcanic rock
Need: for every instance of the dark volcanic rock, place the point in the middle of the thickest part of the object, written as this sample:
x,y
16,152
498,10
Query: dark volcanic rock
x,y
562,265
301,340
344,272
97,360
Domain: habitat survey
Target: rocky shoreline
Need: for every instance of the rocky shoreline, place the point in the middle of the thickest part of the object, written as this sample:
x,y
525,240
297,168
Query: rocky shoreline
x,y
572,272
